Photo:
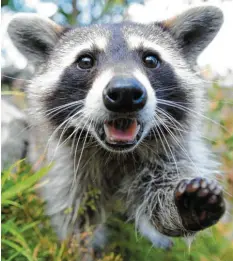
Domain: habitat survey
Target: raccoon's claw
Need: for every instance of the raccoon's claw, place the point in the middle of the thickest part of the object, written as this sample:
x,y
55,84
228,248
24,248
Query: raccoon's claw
x,y
200,203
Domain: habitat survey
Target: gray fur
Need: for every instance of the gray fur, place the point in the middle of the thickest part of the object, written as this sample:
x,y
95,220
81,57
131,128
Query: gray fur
x,y
28,31
145,177
195,29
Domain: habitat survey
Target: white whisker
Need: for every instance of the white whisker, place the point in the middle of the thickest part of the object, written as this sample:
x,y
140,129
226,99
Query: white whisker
x,y
179,106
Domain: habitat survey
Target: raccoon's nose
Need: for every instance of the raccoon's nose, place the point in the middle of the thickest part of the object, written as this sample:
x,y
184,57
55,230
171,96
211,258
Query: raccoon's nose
x,y
124,95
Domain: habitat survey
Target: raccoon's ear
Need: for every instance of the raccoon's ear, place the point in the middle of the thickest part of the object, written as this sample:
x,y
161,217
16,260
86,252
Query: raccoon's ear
x,y
34,36
195,29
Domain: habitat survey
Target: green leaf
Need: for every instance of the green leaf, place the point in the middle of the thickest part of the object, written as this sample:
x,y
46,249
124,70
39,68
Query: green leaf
x,y
6,173
11,228
13,203
13,257
229,141
59,256
21,187
31,225
18,249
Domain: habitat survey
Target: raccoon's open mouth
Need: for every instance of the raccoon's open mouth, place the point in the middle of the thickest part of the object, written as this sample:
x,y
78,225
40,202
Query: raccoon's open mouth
x,y
121,133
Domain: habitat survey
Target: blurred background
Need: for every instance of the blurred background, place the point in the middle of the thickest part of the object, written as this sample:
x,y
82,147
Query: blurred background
x,y
26,231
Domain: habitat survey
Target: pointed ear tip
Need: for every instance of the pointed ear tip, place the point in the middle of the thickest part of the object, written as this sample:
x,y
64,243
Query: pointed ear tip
x,y
17,19
22,17
217,12
20,20
12,25
213,11
220,15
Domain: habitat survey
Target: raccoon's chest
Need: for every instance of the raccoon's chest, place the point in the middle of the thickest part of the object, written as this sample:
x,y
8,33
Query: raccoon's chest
x,y
102,171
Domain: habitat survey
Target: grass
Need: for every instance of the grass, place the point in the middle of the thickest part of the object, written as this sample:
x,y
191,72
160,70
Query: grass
x,y
27,233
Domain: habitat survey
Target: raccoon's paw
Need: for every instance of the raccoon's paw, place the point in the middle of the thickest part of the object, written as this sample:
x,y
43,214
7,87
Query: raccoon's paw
x,y
200,203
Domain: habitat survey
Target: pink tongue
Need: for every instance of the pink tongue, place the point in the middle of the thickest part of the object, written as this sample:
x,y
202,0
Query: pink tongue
x,y
125,135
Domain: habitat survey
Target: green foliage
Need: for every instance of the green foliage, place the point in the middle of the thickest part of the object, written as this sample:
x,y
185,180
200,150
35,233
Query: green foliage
x,y
210,245
10,190
220,128
89,200
26,231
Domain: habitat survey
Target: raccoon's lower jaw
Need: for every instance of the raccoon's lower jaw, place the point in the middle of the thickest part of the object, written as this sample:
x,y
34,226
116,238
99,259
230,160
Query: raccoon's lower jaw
x,y
120,134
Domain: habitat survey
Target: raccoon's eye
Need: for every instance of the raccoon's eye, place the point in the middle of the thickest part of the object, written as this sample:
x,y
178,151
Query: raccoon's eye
x,y
85,62
151,60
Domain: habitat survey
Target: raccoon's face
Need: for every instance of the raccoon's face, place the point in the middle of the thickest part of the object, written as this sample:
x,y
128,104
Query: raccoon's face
x,y
122,83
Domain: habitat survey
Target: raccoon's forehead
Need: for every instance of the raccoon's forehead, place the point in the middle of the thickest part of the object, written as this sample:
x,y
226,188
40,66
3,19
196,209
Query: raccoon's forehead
x,y
114,38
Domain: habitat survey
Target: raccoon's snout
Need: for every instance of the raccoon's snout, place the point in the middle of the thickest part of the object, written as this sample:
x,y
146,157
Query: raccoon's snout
x,y
124,95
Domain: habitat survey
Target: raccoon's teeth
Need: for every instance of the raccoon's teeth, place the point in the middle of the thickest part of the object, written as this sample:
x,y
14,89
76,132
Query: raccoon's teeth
x,y
106,130
122,124
138,129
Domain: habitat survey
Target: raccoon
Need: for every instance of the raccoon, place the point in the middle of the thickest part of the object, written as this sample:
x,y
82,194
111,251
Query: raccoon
x,y
119,108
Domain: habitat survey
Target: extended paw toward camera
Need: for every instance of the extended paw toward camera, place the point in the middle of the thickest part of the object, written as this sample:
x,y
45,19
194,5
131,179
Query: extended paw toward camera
x,y
200,203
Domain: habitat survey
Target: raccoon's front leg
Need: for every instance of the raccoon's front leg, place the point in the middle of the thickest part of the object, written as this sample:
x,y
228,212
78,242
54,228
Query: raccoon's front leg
x,y
199,202
177,209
